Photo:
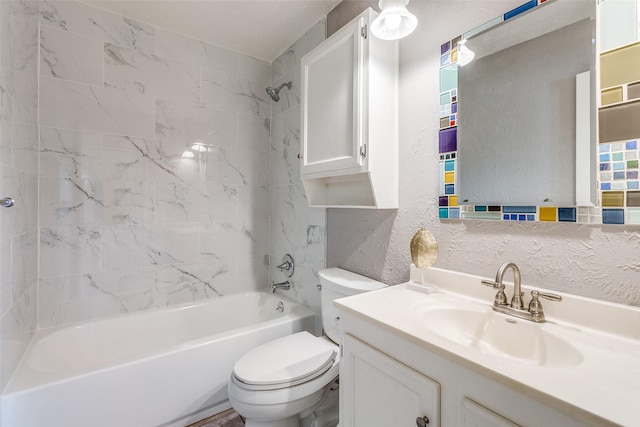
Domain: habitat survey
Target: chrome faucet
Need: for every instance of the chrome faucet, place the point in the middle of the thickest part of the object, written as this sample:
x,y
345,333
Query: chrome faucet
x,y
282,285
516,307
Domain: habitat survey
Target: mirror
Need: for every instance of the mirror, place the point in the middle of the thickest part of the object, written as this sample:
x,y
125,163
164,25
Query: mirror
x,y
517,107
541,162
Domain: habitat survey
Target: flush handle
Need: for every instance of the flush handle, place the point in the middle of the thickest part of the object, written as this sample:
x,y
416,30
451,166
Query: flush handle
x,y
7,202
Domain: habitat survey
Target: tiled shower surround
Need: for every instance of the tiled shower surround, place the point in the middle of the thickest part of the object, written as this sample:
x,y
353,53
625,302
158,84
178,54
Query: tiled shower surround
x,y
157,166
18,179
131,217
159,180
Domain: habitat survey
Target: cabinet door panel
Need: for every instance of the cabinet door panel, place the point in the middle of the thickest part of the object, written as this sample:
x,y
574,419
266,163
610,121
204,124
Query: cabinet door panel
x,y
331,94
476,415
377,390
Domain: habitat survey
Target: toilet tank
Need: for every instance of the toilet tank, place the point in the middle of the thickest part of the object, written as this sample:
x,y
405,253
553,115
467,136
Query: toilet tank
x,y
338,283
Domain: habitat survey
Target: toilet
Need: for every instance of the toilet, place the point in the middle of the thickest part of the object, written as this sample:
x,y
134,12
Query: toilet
x,y
293,378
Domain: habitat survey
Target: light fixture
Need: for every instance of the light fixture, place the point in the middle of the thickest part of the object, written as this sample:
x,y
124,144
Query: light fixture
x,y
465,55
188,154
199,146
394,21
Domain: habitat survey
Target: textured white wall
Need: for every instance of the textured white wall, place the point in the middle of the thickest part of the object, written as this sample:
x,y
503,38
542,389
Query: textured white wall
x,y
595,261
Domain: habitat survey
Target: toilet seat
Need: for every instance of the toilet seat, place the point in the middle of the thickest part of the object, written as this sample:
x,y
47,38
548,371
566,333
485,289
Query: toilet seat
x,y
285,362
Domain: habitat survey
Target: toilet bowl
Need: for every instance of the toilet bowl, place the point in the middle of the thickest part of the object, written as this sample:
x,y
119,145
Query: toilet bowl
x,y
281,382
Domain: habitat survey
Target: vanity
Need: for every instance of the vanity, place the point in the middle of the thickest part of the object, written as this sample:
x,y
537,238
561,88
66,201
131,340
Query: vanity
x,y
446,358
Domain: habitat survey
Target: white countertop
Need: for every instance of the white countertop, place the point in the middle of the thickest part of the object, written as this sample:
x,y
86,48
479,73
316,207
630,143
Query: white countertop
x,y
605,384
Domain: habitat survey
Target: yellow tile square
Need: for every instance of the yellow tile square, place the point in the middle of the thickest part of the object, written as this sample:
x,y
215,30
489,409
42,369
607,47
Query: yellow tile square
x,y
453,200
613,198
548,213
449,177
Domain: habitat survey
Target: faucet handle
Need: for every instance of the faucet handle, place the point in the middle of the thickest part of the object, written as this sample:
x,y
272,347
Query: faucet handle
x,y
501,298
492,284
535,307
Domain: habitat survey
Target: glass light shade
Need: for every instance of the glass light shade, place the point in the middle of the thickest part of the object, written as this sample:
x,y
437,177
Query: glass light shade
x,y
465,55
394,21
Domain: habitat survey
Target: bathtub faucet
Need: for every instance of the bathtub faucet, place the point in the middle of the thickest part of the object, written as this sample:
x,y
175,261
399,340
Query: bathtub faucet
x,y
284,285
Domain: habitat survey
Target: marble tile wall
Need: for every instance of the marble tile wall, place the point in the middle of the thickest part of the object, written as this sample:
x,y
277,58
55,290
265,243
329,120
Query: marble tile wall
x,y
296,228
18,179
127,222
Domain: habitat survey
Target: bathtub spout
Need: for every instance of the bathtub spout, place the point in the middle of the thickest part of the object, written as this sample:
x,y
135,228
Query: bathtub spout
x,y
284,285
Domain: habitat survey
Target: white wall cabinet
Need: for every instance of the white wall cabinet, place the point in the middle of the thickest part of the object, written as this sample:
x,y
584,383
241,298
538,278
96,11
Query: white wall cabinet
x,y
387,380
350,119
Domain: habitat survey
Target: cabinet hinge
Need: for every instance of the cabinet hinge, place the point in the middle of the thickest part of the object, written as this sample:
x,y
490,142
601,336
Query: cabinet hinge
x,y
363,150
363,31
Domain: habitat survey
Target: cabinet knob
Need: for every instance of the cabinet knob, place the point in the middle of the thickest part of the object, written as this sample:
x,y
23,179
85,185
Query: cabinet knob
x,y
7,202
300,156
422,421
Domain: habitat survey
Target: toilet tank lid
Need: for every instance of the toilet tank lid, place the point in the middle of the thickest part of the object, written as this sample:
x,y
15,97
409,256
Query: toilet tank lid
x,y
346,282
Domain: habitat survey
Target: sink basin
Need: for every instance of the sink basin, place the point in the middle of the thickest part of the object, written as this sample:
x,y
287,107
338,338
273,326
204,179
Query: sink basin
x,y
500,335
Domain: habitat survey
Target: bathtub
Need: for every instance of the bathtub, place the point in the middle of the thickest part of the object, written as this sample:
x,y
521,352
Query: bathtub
x,y
166,367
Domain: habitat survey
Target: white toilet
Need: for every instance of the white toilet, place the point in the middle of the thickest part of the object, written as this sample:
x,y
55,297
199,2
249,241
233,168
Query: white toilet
x,y
283,381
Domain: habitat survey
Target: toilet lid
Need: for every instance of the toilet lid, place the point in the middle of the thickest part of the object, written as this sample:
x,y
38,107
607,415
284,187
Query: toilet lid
x,y
287,361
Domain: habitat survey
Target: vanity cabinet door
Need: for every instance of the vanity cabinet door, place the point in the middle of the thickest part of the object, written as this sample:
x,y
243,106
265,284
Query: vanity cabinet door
x,y
332,102
377,390
476,415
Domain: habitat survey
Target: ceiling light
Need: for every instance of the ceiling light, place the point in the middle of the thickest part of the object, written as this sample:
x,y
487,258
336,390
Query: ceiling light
x,y
199,147
465,55
394,21
188,154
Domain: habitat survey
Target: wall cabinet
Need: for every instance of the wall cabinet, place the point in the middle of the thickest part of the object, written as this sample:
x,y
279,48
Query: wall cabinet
x,y
349,119
388,380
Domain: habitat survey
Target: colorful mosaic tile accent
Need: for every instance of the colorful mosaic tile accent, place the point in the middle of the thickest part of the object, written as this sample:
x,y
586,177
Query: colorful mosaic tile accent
x,y
618,162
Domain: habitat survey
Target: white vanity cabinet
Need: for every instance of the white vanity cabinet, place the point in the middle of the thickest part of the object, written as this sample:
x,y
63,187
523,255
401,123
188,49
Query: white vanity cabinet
x,y
377,390
387,380
349,121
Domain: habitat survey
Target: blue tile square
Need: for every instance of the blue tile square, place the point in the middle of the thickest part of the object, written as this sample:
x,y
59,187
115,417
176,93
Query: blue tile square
x,y
605,157
513,217
522,217
531,217
520,9
605,148
605,166
619,175
480,208
519,209
445,59
444,213
449,189
618,166
613,216
454,213
567,214
605,186
449,165
633,185
632,145
506,217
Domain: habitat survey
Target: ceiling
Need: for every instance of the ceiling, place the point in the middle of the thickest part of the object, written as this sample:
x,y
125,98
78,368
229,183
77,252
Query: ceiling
x,y
259,28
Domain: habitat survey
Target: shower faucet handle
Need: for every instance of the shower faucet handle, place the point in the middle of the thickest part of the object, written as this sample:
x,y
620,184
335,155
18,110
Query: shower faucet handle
x,y
287,266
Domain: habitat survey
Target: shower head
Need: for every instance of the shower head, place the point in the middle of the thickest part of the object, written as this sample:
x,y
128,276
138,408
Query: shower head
x,y
275,93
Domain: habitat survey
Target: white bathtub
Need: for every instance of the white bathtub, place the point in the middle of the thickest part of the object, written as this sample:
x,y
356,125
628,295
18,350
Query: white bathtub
x,y
165,367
